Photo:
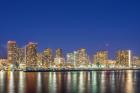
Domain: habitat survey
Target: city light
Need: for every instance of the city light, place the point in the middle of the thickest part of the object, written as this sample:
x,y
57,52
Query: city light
x,y
29,59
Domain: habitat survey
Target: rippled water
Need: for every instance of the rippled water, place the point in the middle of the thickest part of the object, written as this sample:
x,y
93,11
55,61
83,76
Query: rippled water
x,y
70,82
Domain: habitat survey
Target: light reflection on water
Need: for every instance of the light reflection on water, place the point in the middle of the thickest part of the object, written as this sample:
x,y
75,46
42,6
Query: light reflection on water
x,y
21,84
2,82
70,82
11,83
39,82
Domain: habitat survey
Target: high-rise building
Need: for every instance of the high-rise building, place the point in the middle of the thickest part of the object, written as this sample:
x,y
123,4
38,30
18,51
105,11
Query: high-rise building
x,y
3,64
21,55
59,59
82,58
31,54
48,52
136,61
123,58
111,63
70,58
40,59
12,52
59,53
101,59
47,57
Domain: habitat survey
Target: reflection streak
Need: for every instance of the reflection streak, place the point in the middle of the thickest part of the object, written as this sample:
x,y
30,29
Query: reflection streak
x,y
70,82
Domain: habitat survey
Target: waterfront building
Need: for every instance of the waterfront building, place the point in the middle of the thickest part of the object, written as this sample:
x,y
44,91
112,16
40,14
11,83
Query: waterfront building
x,y
39,59
59,52
47,57
15,56
111,63
82,58
123,58
4,64
136,61
70,59
59,59
20,55
12,52
31,54
101,59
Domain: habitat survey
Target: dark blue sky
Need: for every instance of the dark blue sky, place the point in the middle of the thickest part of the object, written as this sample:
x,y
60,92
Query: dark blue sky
x,y
70,24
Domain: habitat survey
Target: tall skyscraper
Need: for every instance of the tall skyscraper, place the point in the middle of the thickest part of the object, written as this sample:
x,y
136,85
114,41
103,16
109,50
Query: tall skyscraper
x,y
47,57
83,58
136,61
123,58
31,54
59,52
20,55
70,58
59,59
40,59
12,52
101,59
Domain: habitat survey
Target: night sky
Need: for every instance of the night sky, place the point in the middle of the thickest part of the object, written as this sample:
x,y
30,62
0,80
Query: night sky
x,y
70,24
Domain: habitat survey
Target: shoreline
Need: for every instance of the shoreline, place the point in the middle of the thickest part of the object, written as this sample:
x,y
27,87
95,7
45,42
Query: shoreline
x,y
78,70
72,70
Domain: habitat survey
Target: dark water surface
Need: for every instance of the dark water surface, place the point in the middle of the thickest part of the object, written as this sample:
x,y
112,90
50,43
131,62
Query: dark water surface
x,y
127,81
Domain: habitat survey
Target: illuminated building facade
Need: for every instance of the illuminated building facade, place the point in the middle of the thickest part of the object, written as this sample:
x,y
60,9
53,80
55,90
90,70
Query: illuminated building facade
x,y
59,59
59,52
136,61
3,64
39,59
70,59
31,54
47,57
101,59
123,58
111,63
21,55
12,52
82,58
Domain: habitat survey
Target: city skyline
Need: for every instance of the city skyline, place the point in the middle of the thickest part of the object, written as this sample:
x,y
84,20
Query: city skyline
x,y
64,52
29,58
69,46
58,52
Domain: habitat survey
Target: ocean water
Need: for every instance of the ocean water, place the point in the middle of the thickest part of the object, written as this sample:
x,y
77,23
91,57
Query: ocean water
x,y
124,81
